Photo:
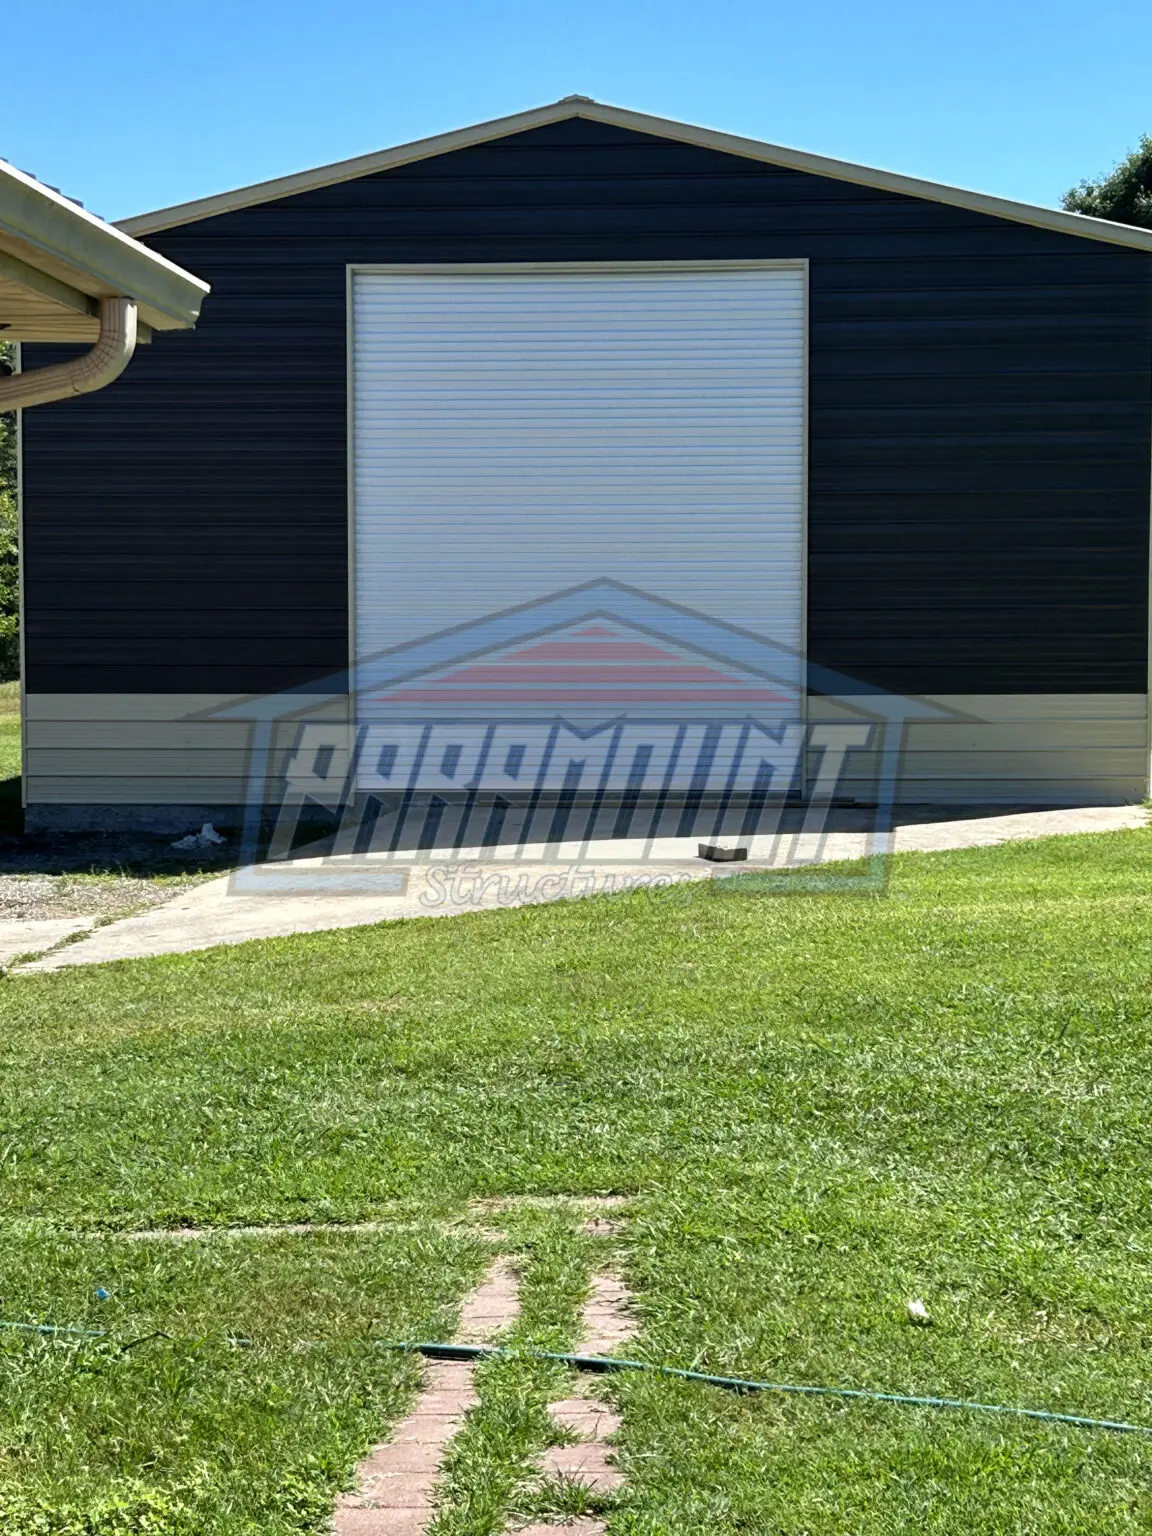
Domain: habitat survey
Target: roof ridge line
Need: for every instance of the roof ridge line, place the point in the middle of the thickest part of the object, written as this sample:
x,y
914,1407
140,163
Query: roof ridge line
x,y
1057,219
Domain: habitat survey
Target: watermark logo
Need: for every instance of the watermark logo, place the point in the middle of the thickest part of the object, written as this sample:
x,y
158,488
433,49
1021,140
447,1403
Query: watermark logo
x,y
594,740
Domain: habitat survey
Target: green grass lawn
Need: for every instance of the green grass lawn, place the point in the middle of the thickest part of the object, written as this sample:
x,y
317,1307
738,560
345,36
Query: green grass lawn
x,y
9,747
821,1107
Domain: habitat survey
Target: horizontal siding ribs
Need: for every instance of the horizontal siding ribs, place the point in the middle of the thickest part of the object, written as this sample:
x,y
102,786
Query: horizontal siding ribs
x,y
1019,749
978,449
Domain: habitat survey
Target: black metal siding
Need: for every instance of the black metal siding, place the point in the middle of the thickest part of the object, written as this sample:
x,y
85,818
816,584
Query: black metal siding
x,y
979,423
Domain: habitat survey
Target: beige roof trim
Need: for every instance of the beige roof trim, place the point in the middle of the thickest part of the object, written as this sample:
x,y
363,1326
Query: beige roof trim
x,y
53,236
640,122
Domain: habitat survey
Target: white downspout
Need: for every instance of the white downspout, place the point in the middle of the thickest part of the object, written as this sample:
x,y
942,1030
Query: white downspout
x,y
105,362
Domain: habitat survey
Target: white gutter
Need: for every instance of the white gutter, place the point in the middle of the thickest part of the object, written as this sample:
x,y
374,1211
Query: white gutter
x,y
97,367
43,229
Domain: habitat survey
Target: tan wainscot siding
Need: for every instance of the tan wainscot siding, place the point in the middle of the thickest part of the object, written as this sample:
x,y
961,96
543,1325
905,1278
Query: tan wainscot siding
x,y
144,749
160,749
1044,749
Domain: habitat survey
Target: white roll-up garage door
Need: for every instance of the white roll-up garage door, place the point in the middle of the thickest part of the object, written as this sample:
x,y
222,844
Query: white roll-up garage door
x,y
516,432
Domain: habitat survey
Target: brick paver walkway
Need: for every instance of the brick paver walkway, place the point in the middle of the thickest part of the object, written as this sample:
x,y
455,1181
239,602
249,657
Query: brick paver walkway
x,y
394,1483
607,1322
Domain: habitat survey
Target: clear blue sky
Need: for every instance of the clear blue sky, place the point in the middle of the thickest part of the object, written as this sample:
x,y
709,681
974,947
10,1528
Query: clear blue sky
x,y
137,104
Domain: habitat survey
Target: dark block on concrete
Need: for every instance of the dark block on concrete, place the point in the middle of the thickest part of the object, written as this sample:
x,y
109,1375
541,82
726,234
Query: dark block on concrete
x,y
718,855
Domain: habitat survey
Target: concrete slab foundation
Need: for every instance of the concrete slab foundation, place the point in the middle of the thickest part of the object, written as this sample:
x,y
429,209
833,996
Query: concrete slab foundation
x,y
309,894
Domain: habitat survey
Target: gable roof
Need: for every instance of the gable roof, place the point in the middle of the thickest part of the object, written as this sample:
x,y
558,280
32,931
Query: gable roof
x,y
637,122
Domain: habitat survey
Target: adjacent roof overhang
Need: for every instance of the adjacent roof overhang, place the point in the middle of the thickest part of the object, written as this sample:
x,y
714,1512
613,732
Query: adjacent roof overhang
x,y
57,261
620,117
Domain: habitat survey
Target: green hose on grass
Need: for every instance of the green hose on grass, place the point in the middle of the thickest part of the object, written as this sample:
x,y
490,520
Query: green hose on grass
x,y
605,1363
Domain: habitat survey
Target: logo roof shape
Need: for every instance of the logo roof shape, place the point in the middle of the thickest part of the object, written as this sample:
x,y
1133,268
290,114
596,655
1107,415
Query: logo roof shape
x,y
598,666
610,642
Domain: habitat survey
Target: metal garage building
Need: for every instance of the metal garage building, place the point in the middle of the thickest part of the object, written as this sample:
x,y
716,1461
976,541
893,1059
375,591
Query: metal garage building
x,y
900,430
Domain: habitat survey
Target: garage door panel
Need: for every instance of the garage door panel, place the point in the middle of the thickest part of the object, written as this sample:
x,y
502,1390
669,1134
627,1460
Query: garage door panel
x,y
517,433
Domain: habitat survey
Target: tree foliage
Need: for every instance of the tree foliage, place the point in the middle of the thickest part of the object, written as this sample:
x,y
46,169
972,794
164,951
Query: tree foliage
x,y
9,541
1124,195
9,589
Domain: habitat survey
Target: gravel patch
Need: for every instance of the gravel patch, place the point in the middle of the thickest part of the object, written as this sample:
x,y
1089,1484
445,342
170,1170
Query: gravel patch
x,y
102,896
97,875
